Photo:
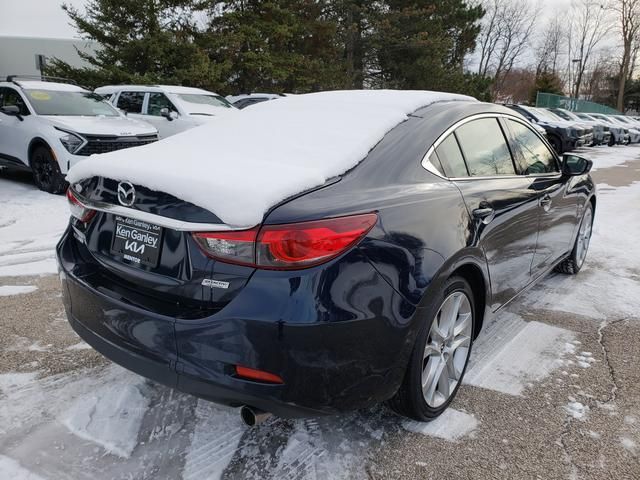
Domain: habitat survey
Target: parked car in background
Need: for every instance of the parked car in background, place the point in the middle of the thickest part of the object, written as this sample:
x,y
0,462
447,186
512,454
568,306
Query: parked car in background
x,y
601,130
564,136
348,281
632,130
631,124
49,126
246,100
171,109
619,134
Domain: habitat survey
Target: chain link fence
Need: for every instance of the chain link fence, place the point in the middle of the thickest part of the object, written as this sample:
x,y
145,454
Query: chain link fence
x,y
549,100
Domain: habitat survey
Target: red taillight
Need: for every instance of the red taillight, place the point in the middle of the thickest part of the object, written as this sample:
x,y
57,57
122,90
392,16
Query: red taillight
x,y
233,247
259,375
78,210
306,244
288,246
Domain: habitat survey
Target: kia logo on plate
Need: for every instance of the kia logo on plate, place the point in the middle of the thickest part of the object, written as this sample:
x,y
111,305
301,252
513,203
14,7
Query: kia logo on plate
x,y
126,194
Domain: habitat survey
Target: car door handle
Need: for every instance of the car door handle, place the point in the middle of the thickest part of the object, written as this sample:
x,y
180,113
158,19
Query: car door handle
x,y
545,203
485,214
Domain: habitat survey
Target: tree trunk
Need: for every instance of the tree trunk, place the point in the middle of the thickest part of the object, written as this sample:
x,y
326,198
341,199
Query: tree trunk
x,y
624,70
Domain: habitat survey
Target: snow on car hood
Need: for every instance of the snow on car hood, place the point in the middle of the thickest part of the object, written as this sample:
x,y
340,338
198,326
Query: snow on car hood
x,y
101,125
241,167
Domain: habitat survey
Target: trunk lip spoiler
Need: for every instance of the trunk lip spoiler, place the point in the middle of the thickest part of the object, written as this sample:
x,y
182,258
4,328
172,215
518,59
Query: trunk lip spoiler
x,y
166,222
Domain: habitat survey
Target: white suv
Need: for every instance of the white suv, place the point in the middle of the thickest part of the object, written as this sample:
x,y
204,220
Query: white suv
x,y
170,109
47,127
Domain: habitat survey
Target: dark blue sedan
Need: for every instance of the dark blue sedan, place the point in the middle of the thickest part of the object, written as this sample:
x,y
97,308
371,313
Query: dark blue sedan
x,y
368,287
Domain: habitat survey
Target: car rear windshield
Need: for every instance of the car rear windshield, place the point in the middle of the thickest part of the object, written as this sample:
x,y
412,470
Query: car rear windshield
x,y
201,103
53,102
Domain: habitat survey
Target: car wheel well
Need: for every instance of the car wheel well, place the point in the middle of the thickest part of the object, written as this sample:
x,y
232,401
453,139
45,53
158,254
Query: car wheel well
x,y
472,274
593,203
35,143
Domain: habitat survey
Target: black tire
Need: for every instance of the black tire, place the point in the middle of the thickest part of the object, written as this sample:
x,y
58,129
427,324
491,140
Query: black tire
x,y
612,140
46,171
574,262
409,400
556,144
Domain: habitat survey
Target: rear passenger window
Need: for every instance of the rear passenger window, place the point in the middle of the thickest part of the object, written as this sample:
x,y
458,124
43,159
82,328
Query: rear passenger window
x,y
450,157
485,148
131,102
532,154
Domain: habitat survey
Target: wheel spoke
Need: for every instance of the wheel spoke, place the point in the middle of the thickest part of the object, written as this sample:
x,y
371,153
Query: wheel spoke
x,y
462,324
430,350
459,341
451,368
449,313
432,377
443,383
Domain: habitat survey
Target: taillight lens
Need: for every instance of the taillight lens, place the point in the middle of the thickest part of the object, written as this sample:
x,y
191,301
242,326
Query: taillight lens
x,y
288,246
233,247
78,210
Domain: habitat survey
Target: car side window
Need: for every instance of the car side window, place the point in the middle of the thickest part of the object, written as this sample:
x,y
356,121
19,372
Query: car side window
x,y
8,96
532,155
131,102
450,158
485,148
158,101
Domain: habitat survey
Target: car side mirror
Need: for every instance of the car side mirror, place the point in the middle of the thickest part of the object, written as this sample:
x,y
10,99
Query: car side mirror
x,y
12,110
168,114
574,165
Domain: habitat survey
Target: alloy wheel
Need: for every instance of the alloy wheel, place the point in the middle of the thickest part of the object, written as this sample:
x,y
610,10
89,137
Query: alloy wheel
x,y
447,349
584,236
43,170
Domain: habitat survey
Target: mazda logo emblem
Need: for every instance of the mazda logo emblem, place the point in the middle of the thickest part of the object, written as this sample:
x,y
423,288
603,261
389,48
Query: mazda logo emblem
x,y
126,194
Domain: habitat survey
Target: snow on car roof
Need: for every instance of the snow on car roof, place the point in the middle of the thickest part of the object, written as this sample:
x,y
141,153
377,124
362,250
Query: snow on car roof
x,y
185,90
51,86
241,166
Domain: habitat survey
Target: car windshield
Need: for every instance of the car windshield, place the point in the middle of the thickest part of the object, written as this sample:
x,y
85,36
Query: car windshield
x,y
622,119
551,115
565,115
201,103
542,114
54,102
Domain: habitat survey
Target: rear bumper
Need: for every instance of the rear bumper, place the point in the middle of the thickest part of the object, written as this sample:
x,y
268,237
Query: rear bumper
x,y
348,353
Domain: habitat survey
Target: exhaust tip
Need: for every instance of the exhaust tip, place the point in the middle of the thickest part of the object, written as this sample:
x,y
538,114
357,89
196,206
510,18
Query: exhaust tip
x,y
252,416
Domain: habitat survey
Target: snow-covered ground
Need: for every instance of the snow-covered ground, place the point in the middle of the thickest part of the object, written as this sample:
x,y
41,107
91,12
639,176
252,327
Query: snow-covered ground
x,y
31,223
105,422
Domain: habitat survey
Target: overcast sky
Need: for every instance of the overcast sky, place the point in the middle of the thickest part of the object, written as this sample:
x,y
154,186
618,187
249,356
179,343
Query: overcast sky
x,y
36,18
45,18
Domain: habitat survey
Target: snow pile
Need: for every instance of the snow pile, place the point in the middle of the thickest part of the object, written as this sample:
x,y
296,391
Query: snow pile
x,y
31,223
9,468
452,425
110,416
606,157
576,409
10,290
532,353
241,167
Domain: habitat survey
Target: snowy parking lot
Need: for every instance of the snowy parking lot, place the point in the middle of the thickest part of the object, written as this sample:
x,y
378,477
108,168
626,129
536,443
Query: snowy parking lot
x,y
553,390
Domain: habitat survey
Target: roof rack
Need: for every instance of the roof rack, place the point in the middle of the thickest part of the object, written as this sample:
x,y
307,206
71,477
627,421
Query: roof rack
x,y
41,78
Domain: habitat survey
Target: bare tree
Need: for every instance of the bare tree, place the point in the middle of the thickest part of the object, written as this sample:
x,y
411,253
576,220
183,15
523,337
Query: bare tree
x,y
590,23
550,46
597,80
628,21
505,35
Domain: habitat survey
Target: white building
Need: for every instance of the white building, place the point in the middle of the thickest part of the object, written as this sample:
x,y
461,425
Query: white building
x,y
26,55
